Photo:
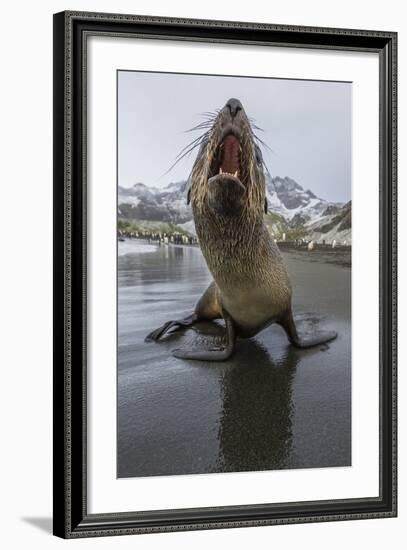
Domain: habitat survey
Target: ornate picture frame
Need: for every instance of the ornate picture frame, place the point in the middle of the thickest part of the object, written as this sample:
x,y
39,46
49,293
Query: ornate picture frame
x,y
71,512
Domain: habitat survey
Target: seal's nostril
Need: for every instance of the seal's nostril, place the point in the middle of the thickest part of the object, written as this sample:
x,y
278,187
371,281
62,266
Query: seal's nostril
x,y
234,106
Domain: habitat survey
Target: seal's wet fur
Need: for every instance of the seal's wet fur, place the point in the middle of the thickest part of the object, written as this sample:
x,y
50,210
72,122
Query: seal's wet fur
x,y
251,288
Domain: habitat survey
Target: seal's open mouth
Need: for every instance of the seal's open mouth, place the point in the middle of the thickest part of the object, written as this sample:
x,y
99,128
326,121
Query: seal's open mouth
x,y
227,159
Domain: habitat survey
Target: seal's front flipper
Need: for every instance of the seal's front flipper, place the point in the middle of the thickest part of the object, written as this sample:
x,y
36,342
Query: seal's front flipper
x,y
214,354
320,338
171,326
288,324
220,353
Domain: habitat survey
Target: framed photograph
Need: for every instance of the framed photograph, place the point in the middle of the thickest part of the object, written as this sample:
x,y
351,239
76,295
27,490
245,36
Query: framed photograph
x,y
224,274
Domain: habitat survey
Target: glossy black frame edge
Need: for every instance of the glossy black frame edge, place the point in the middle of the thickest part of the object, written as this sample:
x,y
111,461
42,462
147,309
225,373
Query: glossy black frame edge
x,y
70,500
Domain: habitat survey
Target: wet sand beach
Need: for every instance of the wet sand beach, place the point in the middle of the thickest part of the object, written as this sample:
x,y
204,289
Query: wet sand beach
x,y
270,406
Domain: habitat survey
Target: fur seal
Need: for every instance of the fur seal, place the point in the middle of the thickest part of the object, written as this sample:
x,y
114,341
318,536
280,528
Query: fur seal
x,y
251,287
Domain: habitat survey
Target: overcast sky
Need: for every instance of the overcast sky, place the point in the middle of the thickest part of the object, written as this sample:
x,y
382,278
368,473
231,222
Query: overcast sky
x,y
307,124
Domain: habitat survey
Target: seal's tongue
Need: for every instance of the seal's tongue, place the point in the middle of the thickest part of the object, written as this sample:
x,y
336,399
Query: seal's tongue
x,y
230,156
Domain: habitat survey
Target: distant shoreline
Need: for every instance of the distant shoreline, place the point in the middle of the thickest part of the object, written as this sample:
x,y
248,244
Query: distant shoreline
x,y
339,255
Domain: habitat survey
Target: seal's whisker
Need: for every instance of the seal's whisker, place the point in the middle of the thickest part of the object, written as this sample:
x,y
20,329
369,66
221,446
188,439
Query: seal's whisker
x,y
200,126
183,155
212,113
194,143
209,116
256,137
199,138
204,123
197,142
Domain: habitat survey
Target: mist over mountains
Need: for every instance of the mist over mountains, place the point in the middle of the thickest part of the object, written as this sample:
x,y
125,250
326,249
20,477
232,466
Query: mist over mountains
x,y
291,209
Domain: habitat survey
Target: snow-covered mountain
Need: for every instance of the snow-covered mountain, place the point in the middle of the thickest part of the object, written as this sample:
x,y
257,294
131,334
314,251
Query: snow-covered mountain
x,y
141,202
335,223
287,199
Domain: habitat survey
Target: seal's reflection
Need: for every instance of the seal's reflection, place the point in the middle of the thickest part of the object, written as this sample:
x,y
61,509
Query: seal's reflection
x,y
256,421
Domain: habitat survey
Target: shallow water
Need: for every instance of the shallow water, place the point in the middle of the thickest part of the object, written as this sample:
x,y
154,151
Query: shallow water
x,y
269,407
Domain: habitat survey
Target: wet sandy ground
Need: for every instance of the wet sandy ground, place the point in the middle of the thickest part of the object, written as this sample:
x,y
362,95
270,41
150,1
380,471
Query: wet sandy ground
x,y
269,407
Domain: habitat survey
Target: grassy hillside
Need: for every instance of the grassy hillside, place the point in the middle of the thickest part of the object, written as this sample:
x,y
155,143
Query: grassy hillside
x,y
277,226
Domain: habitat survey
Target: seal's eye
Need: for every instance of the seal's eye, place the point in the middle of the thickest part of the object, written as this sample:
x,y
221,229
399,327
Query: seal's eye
x,y
259,156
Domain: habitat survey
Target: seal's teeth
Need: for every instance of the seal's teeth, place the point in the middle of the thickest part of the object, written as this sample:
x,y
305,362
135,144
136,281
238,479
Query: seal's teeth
x,y
229,173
